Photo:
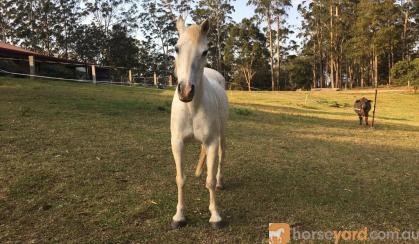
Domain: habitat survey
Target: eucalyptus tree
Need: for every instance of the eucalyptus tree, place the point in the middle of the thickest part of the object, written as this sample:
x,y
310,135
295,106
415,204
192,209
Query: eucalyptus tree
x,y
314,25
264,10
282,32
90,43
106,13
158,26
409,15
4,22
69,15
123,49
41,25
21,15
218,12
184,7
248,53
272,11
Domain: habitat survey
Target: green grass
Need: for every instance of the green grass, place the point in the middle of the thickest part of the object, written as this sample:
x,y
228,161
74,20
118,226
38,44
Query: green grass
x,y
85,163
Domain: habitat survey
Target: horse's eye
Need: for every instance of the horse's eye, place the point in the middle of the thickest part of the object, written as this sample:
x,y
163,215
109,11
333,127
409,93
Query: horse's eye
x,y
176,49
205,53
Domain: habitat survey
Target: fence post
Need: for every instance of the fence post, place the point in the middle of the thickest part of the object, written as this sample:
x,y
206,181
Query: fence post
x,y
155,79
130,76
32,66
170,80
94,74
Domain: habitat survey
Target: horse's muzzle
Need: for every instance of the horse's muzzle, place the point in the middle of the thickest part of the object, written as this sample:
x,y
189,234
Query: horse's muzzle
x,y
186,92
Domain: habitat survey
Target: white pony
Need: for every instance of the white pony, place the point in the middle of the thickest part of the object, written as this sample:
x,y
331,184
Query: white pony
x,y
199,110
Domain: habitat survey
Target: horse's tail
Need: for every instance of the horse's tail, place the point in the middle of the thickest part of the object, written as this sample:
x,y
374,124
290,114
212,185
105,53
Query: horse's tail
x,y
201,161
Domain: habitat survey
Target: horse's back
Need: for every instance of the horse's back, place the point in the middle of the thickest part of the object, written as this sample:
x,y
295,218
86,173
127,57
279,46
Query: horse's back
x,y
213,75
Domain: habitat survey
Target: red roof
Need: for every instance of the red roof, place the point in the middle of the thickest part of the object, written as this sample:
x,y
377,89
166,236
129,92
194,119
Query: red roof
x,y
16,49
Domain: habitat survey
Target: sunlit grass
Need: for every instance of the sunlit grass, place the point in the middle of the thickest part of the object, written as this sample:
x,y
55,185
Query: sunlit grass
x,y
93,163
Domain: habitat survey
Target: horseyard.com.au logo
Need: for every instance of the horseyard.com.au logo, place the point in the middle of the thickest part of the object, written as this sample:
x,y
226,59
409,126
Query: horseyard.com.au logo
x,y
279,233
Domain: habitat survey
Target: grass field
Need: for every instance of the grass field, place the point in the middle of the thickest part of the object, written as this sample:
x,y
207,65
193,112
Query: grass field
x,y
85,163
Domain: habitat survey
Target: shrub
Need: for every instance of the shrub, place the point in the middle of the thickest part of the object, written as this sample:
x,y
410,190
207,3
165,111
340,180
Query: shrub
x,y
406,73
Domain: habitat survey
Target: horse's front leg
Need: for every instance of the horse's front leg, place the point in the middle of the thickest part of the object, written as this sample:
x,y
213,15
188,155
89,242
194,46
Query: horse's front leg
x,y
177,149
212,156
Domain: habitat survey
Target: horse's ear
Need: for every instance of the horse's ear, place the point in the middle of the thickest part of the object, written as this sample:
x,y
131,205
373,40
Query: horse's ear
x,y
180,25
205,27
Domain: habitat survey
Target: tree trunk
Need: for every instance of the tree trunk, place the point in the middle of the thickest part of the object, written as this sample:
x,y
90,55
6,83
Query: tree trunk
x,y
218,48
362,76
314,74
338,82
314,66
375,68
404,34
321,70
278,25
248,76
338,51
389,70
347,75
392,54
32,24
371,69
268,18
65,33
332,75
320,45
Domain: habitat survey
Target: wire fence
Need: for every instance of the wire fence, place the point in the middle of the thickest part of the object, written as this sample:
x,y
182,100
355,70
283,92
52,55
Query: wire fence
x,y
85,73
79,72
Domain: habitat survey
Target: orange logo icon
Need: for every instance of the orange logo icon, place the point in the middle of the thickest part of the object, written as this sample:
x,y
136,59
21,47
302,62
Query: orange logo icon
x,y
279,233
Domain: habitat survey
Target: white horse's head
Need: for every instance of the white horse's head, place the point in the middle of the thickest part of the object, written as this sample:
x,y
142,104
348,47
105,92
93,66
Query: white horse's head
x,y
191,58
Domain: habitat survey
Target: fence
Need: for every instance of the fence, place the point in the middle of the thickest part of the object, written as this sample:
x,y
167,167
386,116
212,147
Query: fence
x,y
79,72
88,73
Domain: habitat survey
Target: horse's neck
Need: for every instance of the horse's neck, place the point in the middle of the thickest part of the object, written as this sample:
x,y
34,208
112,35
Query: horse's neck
x,y
198,100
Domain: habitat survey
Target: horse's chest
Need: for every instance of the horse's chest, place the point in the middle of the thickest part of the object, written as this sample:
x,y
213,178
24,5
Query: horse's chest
x,y
199,123
198,128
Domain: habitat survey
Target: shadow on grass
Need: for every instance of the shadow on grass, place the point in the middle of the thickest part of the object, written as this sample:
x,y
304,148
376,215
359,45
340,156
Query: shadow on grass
x,y
318,182
283,114
346,111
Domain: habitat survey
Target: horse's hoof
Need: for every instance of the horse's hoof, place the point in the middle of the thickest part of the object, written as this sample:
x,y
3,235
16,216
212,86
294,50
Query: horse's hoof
x,y
219,188
217,225
178,224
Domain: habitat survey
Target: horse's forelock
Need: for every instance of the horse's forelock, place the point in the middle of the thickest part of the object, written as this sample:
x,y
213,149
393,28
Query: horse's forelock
x,y
194,33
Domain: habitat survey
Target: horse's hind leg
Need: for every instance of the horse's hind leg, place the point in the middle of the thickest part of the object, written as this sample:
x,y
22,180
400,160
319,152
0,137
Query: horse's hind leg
x,y
212,154
221,157
360,120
